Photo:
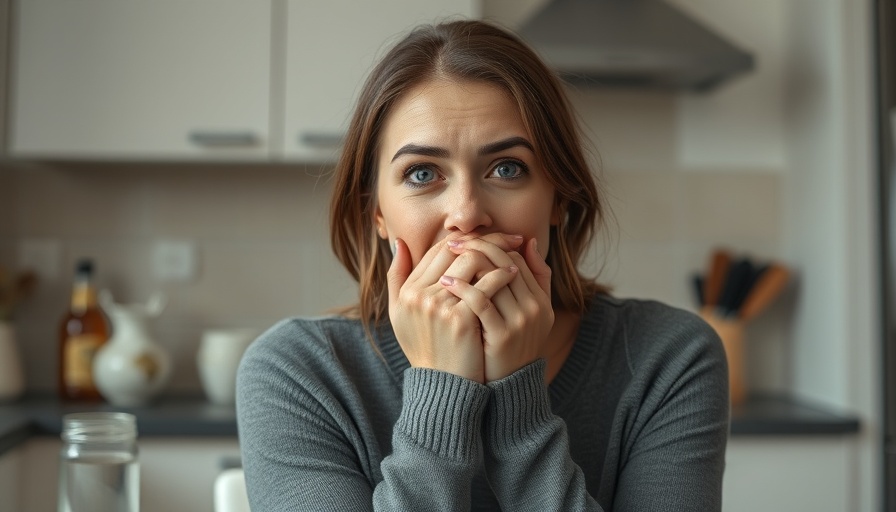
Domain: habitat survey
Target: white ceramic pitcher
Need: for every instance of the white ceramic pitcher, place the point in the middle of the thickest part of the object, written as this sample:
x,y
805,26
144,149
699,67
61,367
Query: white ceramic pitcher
x,y
131,368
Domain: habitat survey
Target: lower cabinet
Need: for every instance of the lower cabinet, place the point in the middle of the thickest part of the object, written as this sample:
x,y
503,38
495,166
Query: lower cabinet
x,y
9,480
795,474
790,473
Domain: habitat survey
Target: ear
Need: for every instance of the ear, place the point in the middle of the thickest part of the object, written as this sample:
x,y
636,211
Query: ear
x,y
380,224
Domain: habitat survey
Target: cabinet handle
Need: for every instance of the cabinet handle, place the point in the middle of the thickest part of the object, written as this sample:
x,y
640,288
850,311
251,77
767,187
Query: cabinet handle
x,y
224,139
321,140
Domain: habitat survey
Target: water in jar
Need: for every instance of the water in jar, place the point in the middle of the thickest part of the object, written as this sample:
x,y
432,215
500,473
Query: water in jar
x,y
100,483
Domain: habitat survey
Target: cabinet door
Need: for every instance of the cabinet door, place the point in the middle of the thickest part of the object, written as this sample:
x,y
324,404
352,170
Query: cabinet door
x,y
330,48
790,473
161,79
9,481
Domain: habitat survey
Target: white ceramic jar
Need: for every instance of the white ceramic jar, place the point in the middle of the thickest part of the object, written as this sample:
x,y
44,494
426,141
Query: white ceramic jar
x,y
219,355
131,368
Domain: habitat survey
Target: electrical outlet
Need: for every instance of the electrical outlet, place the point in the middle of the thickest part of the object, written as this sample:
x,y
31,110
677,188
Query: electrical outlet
x,y
174,260
42,255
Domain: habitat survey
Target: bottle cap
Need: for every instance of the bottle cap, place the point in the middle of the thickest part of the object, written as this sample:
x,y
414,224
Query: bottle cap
x,y
84,267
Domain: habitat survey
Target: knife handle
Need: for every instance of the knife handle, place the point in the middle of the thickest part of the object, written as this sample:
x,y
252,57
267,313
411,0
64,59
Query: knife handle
x,y
738,277
766,289
715,280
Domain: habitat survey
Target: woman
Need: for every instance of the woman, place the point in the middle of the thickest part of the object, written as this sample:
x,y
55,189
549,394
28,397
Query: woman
x,y
480,370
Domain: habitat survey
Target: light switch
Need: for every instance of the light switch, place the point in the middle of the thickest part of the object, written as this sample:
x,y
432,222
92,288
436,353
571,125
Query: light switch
x,y
175,260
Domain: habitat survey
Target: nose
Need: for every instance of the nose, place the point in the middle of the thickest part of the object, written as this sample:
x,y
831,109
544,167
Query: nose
x,y
467,210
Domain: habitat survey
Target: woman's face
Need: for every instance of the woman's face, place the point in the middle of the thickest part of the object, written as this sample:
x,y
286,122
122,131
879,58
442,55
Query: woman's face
x,y
455,159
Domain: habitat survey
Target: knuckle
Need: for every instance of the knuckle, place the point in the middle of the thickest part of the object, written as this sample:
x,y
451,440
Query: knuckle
x,y
532,309
428,304
520,321
472,257
482,303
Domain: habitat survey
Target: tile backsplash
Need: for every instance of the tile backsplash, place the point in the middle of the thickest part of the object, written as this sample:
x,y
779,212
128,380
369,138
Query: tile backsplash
x,y
261,234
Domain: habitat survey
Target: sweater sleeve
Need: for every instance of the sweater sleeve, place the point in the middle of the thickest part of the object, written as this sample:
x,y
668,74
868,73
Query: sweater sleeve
x,y
436,445
673,452
527,456
301,450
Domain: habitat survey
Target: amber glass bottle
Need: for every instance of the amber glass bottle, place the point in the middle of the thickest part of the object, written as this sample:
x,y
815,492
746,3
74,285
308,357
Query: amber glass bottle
x,y
83,331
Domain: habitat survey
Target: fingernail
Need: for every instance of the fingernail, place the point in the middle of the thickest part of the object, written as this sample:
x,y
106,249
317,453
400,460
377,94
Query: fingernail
x,y
446,280
513,269
455,243
535,246
514,238
393,245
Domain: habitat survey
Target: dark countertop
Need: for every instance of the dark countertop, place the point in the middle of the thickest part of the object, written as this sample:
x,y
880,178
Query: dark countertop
x,y
783,416
168,417
195,417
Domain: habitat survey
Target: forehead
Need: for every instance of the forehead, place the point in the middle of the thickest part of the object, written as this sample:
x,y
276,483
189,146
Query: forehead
x,y
443,110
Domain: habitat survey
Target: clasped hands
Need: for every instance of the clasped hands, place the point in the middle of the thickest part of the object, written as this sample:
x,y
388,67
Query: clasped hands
x,y
477,307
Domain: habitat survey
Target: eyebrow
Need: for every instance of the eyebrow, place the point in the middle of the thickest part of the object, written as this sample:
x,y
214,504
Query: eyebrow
x,y
501,145
417,149
434,151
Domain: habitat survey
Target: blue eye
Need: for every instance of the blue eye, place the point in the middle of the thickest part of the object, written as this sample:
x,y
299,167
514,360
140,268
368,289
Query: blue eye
x,y
419,176
509,170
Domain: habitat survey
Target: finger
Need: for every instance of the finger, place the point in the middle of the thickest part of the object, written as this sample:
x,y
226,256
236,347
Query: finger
x,y
494,247
504,241
476,300
399,271
433,264
506,303
529,282
490,283
495,253
470,266
539,268
523,287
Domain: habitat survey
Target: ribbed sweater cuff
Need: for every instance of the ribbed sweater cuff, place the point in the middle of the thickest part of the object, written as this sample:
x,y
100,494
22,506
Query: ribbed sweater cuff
x,y
518,409
442,412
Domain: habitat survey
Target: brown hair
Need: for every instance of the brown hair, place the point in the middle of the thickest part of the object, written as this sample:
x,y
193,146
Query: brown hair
x,y
475,51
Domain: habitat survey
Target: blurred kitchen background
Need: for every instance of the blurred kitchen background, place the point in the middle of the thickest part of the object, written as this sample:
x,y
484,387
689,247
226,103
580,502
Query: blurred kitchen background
x,y
124,164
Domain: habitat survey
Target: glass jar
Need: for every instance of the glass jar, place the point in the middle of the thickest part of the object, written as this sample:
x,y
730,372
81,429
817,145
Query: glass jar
x,y
98,470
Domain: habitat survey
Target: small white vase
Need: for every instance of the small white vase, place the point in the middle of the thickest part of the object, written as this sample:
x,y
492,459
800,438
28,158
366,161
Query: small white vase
x,y
220,352
131,368
12,379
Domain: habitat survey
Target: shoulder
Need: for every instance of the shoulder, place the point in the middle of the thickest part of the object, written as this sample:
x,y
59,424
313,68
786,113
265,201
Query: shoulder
x,y
294,346
659,335
305,335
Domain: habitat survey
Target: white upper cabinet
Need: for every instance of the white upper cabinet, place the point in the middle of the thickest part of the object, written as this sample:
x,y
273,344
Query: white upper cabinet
x,y
178,80
330,48
165,79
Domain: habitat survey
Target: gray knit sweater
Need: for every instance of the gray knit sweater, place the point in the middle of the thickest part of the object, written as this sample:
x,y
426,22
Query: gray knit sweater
x,y
636,420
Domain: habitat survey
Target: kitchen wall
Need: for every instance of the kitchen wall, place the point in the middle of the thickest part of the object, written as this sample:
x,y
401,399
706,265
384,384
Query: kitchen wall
x,y
682,173
261,235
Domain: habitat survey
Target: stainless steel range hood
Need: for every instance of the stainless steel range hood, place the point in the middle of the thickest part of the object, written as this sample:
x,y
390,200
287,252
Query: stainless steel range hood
x,y
632,43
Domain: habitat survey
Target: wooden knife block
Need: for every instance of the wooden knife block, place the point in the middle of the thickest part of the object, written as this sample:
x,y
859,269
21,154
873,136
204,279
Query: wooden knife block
x,y
731,331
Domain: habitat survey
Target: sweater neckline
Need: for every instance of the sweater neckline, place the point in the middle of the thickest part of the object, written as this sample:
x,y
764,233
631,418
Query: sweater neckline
x,y
563,388
565,383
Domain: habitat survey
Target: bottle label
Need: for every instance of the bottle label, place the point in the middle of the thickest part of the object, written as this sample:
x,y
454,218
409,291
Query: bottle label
x,y
83,297
79,352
